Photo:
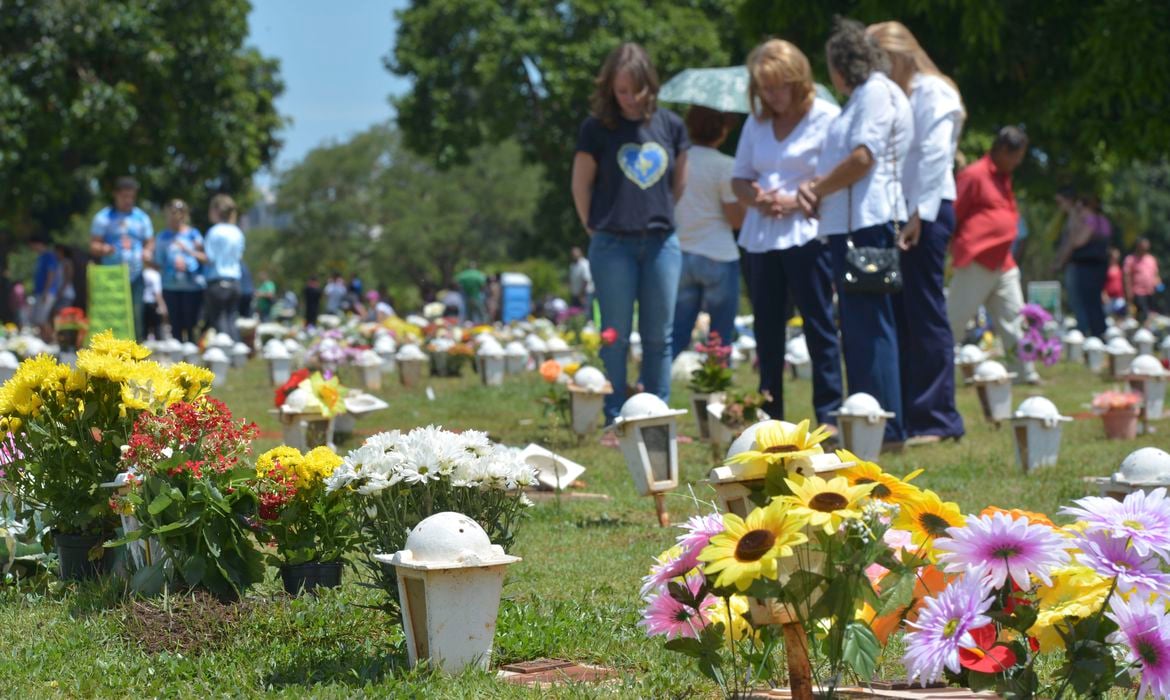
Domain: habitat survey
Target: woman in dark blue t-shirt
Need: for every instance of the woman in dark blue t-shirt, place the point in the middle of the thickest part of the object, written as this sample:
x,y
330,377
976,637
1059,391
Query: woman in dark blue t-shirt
x,y
628,172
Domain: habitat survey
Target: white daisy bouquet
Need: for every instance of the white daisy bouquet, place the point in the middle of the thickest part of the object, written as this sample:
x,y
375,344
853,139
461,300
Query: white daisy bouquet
x,y
397,479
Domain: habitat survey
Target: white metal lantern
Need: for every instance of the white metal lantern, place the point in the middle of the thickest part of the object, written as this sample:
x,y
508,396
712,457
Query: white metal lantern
x,y
1144,468
386,348
636,346
648,431
279,362
1147,377
303,426
450,577
1094,354
553,472
1119,355
968,358
370,364
587,392
412,362
1074,346
1144,340
861,424
537,348
1036,427
515,357
747,345
239,354
1166,348
558,349
190,353
217,361
492,363
797,356
994,384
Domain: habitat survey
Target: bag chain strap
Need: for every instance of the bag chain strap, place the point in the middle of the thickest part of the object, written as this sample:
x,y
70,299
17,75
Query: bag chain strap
x,y
894,165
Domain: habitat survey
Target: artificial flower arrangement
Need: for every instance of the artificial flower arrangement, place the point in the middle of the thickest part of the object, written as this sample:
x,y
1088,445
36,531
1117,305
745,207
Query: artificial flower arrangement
x,y
395,480
68,426
306,523
556,400
743,408
189,489
714,374
1108,401
318,393
1034,343
71,325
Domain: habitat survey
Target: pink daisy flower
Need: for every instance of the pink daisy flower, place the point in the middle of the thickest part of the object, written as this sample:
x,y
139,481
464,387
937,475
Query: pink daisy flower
x,y
1006,547
1142,518
1145,630
1112,557
699,531
673,619
944,627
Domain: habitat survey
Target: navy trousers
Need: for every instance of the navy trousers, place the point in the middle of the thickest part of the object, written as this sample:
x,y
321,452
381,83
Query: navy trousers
x,y
804,275
925,342
869,332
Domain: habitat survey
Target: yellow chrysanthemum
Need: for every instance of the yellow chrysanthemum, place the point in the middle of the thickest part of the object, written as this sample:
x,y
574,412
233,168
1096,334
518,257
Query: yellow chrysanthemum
x,y
193,380
284,459
887,487
318,464
747,550
36,380
826,504
1076,592
776,443
734,621
926,517
102,366
105,343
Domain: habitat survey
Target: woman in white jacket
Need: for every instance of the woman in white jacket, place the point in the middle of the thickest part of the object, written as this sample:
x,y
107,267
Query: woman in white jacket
x,y
924,333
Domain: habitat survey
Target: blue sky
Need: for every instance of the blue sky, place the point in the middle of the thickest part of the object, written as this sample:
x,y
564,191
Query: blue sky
x,y
331,61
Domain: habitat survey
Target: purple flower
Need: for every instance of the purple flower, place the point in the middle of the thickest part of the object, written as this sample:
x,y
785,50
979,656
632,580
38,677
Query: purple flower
x,y
1006,547
1145,631
699,531
1143,518
666,616
944,627
1035,315
1112,557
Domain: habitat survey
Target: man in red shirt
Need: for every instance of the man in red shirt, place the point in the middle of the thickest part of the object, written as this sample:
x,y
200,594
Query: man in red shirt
x,y
986,223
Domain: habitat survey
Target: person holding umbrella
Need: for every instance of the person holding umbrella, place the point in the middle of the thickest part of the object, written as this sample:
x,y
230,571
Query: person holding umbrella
x,y
779,148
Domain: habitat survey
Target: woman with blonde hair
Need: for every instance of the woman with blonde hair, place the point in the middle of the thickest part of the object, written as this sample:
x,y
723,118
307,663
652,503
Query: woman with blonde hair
x,y
224,247
778,149
924,332
629,170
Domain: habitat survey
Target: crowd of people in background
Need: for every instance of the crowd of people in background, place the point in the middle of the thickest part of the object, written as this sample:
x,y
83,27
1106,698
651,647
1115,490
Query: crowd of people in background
x,y
809,212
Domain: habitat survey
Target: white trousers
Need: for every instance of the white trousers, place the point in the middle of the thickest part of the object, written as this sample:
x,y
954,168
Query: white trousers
x,y
997,290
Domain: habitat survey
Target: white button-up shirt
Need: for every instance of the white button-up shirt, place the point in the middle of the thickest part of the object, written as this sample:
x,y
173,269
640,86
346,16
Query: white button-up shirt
x,y
878,117
780,166
929,177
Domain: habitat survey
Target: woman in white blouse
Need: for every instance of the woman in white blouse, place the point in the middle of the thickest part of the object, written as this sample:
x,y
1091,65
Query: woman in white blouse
x,y
778,149
924,332
857,195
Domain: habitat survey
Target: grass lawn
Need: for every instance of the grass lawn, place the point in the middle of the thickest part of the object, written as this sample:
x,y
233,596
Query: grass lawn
x,y
574,596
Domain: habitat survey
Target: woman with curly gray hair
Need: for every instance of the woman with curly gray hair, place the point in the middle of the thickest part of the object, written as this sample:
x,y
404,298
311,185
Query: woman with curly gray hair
x,y
857,194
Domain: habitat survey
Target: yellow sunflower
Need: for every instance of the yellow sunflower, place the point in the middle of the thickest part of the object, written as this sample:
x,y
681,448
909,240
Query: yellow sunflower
x,y
748,549
826,504
926,516
777,442
887,487
1076,592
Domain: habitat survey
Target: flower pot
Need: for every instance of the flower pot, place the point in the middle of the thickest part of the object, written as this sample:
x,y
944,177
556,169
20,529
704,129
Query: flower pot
x,y
699,406
1120,423
307,577
73,556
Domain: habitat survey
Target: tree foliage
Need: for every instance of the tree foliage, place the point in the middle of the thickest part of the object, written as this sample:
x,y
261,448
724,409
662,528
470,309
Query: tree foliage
x,y
161,89
392,216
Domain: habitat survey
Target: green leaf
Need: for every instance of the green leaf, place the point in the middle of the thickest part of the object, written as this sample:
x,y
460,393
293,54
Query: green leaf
x,y
979,682
193,569
149,580
159,504
861,649
685,645
897,591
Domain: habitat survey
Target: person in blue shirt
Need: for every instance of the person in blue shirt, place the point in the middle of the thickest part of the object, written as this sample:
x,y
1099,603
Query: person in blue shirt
x,y
46,286
224,247
122,234
180,258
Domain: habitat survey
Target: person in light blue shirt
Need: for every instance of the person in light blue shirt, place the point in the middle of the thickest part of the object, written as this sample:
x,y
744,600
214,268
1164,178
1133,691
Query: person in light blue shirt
x,y
179,254
122,234
224,248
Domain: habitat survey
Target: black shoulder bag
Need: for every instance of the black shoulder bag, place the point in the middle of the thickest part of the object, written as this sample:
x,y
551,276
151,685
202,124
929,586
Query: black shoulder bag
x,y
871,269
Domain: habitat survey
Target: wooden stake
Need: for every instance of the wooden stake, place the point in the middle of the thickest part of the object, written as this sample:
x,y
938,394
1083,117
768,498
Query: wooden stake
x,y
799,668
660,506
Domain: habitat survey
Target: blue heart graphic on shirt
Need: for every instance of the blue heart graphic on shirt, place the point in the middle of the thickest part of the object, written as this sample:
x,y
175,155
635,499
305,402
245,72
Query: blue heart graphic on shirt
x,y
644,164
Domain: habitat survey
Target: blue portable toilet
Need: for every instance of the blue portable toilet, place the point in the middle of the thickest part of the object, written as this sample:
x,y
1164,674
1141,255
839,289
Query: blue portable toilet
x,y
517,296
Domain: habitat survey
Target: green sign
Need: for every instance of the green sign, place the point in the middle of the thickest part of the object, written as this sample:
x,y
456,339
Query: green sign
x,y
110,307
1047,295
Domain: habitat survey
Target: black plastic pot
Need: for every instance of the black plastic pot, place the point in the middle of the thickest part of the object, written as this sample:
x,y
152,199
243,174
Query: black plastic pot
x,y
73,556
304,578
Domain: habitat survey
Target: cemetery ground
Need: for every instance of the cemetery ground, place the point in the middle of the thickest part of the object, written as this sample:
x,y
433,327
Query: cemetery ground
x,y
575,595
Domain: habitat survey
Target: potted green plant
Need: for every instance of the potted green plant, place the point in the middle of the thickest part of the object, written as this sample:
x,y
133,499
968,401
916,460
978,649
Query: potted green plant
x,y
710,380
309,526
68,425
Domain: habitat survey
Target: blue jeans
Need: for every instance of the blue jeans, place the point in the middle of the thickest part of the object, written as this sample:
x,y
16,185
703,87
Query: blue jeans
x,y
137,288
1085,282
710,284
924,333
869,333
804,276
642,269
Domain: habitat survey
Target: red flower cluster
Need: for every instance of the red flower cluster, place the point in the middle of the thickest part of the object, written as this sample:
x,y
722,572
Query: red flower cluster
x,y
609,336
203,433
293,382
275,491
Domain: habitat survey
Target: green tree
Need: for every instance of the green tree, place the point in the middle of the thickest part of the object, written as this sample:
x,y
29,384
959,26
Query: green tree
x,y
392,216
484,71
161,89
